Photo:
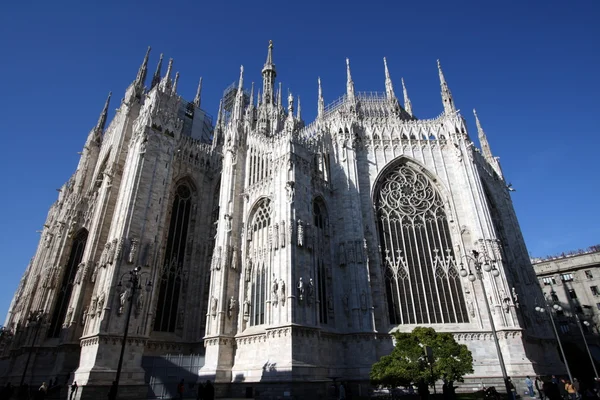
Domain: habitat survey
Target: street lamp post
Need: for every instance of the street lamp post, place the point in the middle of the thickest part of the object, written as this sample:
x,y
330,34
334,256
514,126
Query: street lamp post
x,y
36,317
132,283
587,347
481,263
549,309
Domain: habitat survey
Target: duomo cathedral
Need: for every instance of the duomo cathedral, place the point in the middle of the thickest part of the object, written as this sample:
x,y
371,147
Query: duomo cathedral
x,y
275,255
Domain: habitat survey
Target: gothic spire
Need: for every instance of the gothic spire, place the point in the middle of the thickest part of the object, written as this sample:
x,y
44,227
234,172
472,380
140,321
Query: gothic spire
x,y
389,88
156,77
321,107
298,112
219,126
258,99
483,142
141,75
446,95
290,105
166,80
252,95
174,90
350,82
238,107
407,103
198,98
269,74
103,116
279,101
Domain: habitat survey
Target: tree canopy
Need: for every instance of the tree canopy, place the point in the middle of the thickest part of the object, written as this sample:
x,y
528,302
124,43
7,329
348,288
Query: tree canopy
x,y
408,362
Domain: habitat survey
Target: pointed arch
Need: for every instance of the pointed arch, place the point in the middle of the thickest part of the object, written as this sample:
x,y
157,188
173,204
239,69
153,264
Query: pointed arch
x,y
422,285
259,258
172,273
66,287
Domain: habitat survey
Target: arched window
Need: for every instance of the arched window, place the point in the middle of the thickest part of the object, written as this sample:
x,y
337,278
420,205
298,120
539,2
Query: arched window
x,y
421,279
322,253
66,287
259,254
172,272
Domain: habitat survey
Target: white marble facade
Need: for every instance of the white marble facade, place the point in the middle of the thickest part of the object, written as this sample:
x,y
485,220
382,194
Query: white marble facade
x,y
288,251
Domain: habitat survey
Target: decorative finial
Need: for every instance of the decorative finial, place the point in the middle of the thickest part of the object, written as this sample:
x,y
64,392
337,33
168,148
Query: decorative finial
x,y
174,90
279,102
258,98
165,83
156,77
103,115
321,102
407,102
290,104
389,88
350,83
446,94
298,112
252,94
198,98
486,150
241,82
141,75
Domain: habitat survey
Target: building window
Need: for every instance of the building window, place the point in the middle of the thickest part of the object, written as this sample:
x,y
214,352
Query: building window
x,y
322,252
421,280
549,280
588,274
66,287
172,271
259,267
572,294
594,290
566,277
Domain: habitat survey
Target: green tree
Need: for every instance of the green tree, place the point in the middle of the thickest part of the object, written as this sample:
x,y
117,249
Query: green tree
x,y
408,363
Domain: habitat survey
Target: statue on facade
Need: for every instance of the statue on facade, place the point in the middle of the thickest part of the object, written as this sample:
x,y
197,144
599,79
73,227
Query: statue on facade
x,y
274,289
139,303
133,249
300,233
213,306
68,318
100,304
300,289
282,292
84,315
246,309
248,270
311,291
122,301
232,308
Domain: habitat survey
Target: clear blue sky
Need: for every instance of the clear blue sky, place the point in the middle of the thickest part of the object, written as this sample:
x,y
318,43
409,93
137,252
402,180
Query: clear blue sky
x,y
529,67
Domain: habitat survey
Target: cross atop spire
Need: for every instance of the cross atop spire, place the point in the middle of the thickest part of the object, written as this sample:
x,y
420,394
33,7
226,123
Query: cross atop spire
x,y
269,74
407,103
446,94
103,116
321,106
156,77
389,88
198,98
141,75
350,82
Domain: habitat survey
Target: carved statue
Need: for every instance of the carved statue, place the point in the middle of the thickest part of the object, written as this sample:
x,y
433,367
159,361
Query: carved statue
x,y
330,303
139,303
133,249
213,306
68,317
346,303
282,292
275,236
84,315
79,273
274,288
515,297
246,309
122,301
234,260
289,188
100,304
248,270
300,289
232,308
48,239
363,301
311,291
94,307
119,250
282,234
300,233
94,274
227,222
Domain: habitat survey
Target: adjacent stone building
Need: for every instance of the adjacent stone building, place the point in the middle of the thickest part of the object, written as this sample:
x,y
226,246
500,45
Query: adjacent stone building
x,y
572,281
281,254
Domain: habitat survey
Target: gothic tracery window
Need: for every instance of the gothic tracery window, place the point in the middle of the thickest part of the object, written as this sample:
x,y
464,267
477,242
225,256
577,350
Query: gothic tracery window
x,y
421,279
172,271
259,252
322,253
66,287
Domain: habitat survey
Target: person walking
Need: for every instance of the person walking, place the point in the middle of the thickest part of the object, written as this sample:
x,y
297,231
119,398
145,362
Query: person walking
x,y
513,390
571,392
200,393
342,395
577,387
181,389
209,391
539,386
529,384
73,390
